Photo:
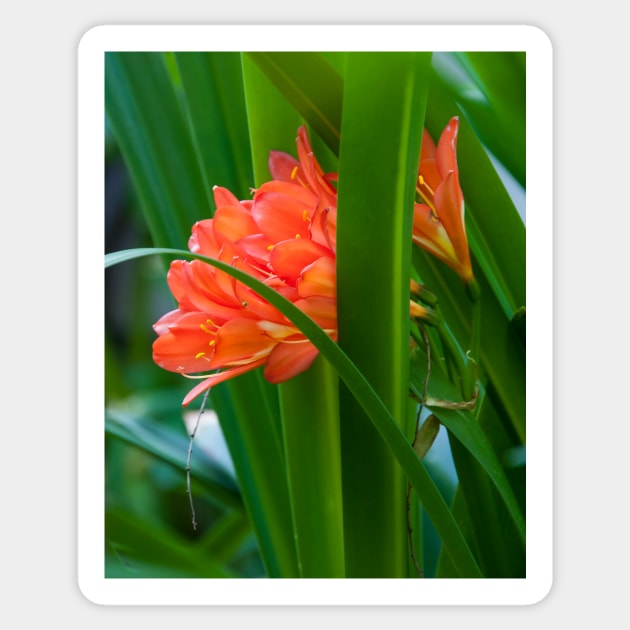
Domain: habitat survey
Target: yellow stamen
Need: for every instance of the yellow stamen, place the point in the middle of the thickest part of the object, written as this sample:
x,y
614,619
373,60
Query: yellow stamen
x,y
270,247
423,182
305,216
425,191
298,236
203,327
294,172
199,355
211,343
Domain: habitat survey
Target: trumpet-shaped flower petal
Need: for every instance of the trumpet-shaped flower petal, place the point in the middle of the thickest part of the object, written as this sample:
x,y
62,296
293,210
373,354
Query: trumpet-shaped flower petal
x,y
438,224
319,278
290,258
220,377
240,341
288,360
185,342
283,212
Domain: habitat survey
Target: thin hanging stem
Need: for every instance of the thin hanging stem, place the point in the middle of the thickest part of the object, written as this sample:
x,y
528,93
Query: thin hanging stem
x,y
190,447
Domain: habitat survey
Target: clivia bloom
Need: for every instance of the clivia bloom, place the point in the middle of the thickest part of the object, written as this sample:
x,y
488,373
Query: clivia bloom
x,y
284,237
438,222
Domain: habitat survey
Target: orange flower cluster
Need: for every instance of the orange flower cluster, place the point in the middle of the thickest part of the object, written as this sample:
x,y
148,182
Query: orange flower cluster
x,y
438,222
284,237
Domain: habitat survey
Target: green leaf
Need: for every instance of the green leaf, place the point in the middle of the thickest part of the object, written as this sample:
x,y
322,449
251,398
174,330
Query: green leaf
x,y
273,121
310,419
213,95
378,413
154,138
249,421
225,539
377,173
490,88
464,426
311,85
499,537
137,548
163,442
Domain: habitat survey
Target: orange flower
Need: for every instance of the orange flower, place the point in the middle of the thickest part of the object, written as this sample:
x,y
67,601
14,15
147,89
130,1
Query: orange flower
x,y
284,238
438,223
308,174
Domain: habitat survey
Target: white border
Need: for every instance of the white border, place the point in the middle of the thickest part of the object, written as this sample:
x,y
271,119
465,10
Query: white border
x,y
93,585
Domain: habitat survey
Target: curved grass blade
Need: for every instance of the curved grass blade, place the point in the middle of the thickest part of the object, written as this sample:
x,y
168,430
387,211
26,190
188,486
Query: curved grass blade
x,y
433,502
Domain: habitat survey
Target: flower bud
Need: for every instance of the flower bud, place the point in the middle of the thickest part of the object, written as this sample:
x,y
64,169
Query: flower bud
x,y
422,293
426,436
424,314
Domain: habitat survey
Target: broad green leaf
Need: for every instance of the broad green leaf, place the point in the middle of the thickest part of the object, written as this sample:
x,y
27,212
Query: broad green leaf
x,y
310,418
311,85
380,144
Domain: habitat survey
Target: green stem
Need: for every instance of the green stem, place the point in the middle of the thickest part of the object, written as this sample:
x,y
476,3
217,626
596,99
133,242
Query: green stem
x,y
473,356
454,360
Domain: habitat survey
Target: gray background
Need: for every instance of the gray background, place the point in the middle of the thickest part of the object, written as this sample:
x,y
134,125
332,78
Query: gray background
x,y
38,62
